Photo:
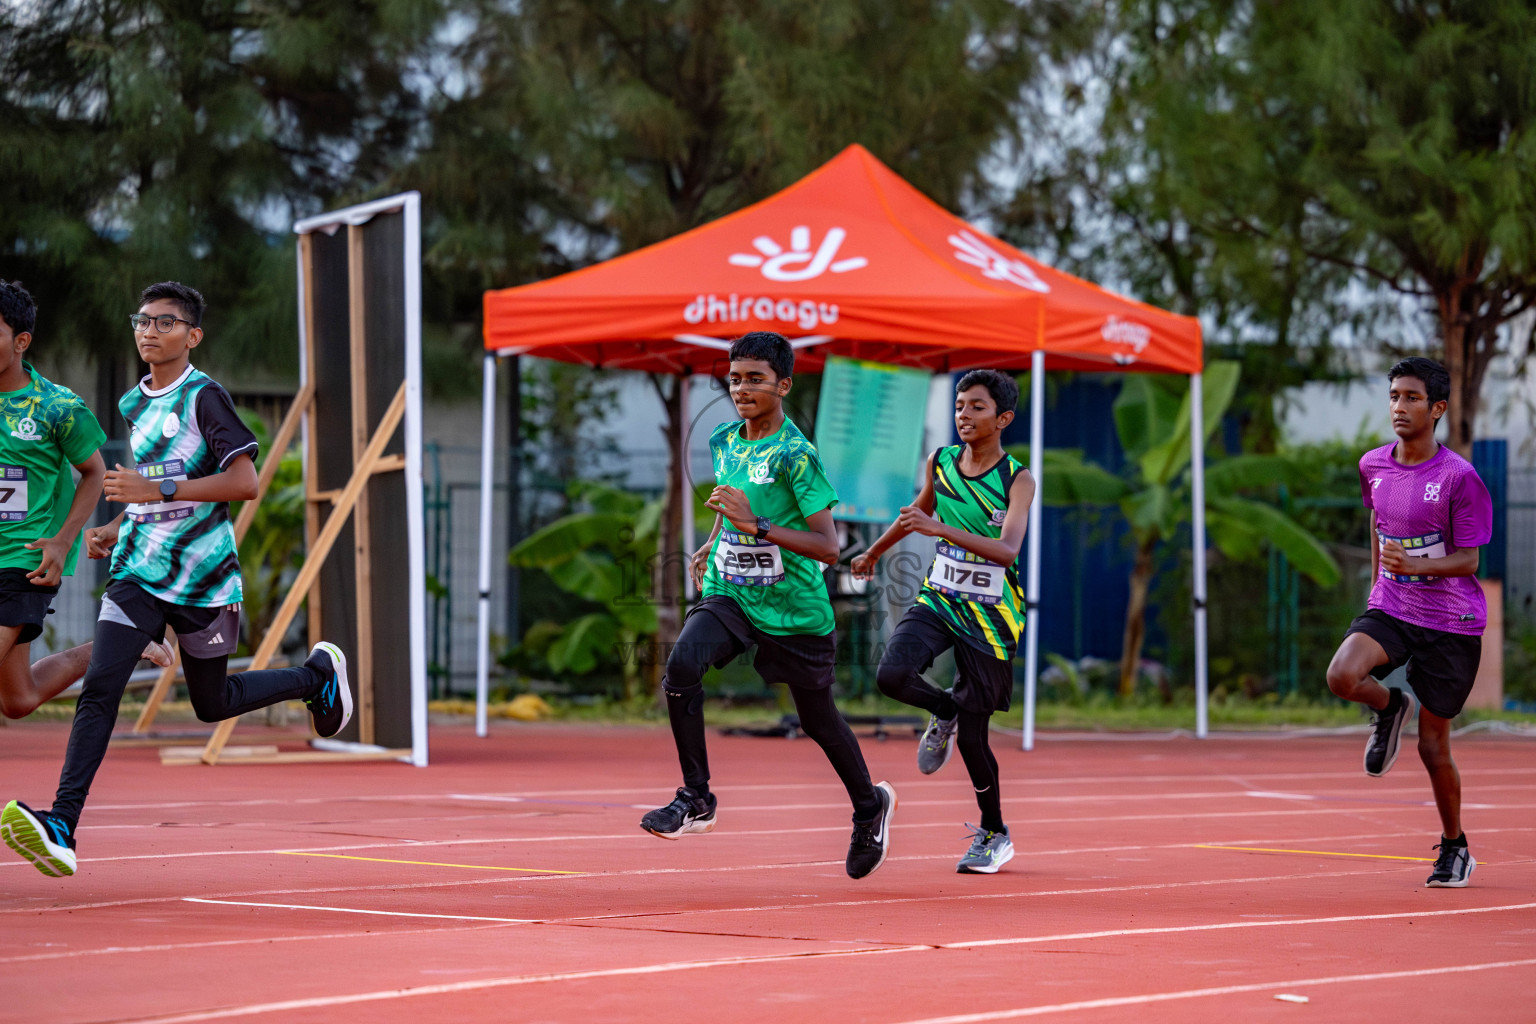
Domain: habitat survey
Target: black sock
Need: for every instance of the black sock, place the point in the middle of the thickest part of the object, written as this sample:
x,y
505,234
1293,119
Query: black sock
x,y
1460,840
1394,701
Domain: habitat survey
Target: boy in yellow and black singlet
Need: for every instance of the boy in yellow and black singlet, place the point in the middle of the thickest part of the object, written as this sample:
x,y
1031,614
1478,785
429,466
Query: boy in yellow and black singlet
x,y
44,430
975,501
760,574
174,563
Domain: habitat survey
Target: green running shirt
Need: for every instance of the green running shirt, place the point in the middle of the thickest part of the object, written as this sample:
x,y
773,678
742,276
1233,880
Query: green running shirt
x,y
779,591
182,552
975,504
44,429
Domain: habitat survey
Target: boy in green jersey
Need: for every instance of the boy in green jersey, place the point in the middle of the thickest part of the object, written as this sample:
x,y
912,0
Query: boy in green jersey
x,y
760,573
44,429
975,500
174,563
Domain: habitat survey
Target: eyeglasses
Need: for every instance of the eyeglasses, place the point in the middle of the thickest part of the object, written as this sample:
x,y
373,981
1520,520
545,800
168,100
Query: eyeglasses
x,y
165,323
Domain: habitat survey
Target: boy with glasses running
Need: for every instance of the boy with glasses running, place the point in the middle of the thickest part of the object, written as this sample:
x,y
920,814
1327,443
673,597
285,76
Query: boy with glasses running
x,y
174,563
975,501
44,429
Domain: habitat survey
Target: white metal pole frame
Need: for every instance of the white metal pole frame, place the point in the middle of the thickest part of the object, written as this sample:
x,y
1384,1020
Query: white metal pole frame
x,y
1032,580
487,494
685,470
414,511
1197,499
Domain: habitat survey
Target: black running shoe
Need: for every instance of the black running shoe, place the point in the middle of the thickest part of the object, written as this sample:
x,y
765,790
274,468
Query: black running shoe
x,y
1386,730
688,812
1452,868
40,836
872,839
331,705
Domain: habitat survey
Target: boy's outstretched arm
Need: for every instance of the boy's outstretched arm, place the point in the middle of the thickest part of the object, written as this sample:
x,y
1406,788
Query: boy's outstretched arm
x,y
863,564
235,482
1002,550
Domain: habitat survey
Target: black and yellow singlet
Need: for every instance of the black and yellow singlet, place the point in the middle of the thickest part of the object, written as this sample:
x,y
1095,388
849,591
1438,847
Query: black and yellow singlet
x,y
982,602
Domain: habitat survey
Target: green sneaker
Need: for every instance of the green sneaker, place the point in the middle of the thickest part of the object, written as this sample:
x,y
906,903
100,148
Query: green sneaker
x,y
39,836
989,851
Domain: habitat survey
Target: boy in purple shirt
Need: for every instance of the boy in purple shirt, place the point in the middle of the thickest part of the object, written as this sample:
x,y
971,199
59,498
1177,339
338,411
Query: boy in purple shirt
x,y
1430,513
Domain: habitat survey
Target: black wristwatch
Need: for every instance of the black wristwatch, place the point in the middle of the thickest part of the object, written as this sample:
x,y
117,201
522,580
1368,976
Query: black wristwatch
x,y
764,524
167,490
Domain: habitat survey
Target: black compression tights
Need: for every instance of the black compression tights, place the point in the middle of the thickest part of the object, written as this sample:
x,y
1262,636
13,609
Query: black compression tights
x,y
703,642
971,738
215,697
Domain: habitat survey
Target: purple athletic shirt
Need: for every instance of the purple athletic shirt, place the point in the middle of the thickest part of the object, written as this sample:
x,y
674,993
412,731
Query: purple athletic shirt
x,y
1433,509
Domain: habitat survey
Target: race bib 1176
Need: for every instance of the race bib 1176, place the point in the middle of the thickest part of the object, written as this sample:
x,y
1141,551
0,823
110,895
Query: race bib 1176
x,y
959,573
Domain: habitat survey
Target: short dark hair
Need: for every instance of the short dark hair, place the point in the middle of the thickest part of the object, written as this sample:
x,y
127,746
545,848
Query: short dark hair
x,y
189,299
1001,386
1437,381
773,349
17,308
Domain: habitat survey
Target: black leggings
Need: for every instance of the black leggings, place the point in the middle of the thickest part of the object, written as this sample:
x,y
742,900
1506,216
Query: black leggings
x,y
704,641
215,697
900,677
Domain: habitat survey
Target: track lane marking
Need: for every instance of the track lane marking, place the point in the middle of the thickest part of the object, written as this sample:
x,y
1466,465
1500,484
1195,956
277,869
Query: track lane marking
x,y
1319,853
450,988
355,910
429,863
1224,990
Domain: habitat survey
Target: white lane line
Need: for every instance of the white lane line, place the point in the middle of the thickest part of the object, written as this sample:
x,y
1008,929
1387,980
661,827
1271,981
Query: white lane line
x,y
1230,925
451,988
728,789
409,844
1224,990
173,947
353,910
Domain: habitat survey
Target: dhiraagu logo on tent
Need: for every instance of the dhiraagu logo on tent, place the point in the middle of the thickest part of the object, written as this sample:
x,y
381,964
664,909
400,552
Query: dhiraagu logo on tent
x,y
1129,333
799,262
995,265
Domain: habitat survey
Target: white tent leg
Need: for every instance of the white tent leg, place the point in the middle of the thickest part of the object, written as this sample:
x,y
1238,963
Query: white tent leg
x,y
685,470
1197,465
487,493
1032,581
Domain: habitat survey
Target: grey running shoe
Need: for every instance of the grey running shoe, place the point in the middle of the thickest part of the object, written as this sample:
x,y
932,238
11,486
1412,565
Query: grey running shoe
x,y
937,745
1386,730
989,851
1452,868
688,812
872,839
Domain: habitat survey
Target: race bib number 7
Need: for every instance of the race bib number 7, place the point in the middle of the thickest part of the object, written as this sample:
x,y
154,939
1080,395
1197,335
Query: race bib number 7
x,y
747,561
162,511
959,573
1431,545
13,494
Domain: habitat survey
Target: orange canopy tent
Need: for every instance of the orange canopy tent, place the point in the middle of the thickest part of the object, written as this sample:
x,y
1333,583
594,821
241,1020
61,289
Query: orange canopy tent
x,y
853,261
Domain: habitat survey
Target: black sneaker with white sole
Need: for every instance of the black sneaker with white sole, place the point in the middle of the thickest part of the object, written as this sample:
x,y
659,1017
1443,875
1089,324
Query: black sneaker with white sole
x,y
331,704
872,839
688,812
1453,867
41,837
1386,730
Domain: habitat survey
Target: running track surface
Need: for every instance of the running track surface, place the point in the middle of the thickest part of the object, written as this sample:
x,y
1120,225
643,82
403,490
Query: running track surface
x,y
390,893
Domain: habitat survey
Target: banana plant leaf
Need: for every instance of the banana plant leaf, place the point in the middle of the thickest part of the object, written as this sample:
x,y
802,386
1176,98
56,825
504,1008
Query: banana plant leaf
x,y
1303,550
1161,462
582,643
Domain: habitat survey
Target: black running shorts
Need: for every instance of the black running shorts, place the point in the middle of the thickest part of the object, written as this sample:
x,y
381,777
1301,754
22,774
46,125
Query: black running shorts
x,y
24,604
983,681
1441,666
803,662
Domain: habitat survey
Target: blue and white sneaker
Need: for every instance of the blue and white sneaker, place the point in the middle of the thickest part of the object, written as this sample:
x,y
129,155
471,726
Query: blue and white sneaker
x,y
989,851
331,705
40,836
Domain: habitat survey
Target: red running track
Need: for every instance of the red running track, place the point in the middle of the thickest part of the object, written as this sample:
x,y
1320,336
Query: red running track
x,y
510,882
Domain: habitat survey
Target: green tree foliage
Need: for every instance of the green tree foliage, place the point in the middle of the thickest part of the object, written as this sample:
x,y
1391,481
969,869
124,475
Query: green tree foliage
x,y
1153,420
148,139
1304,167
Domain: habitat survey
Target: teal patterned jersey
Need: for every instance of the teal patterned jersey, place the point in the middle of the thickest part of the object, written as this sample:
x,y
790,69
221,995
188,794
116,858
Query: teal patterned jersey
x,y
182,552
44,429
779,591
